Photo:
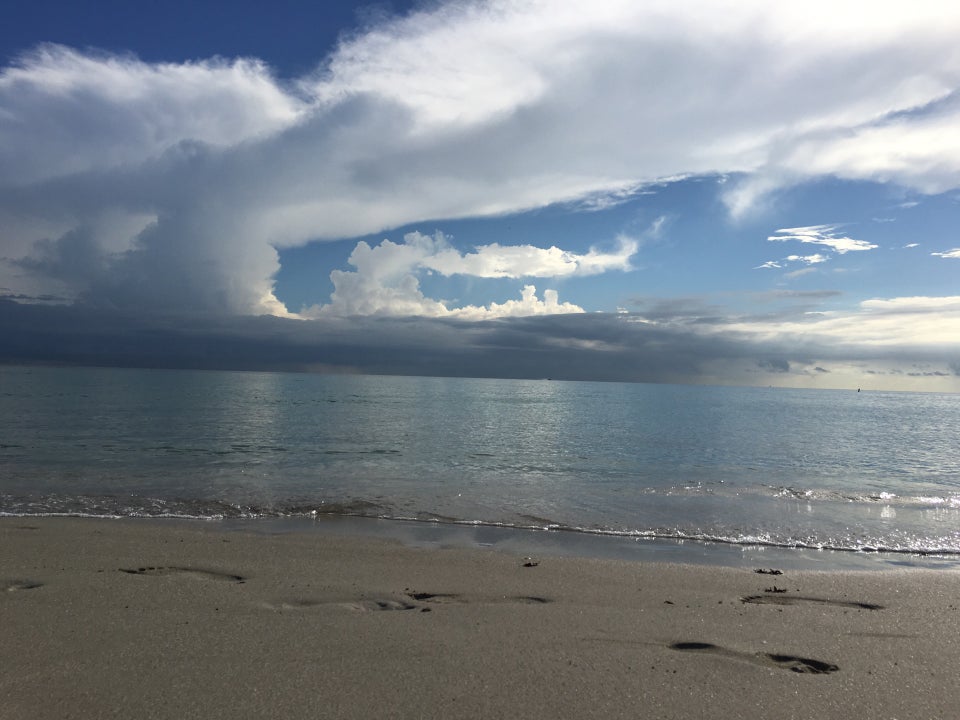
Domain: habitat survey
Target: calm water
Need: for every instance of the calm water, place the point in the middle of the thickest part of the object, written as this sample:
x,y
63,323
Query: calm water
x,y
749,466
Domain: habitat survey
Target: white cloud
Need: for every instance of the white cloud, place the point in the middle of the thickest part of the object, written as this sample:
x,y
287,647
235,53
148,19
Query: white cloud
x,y
918,322
610,198
927,147
807,259
528,304
386,278
356,294
955,253
822,235
814,259
65,112
497,261
461,110
887,331
419,251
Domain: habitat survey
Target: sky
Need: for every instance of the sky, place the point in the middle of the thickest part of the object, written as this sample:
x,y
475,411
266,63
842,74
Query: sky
x,y
726,192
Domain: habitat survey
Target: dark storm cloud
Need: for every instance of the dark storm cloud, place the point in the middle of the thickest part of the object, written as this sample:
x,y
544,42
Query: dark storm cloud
x,y
777,365
575,347
562,346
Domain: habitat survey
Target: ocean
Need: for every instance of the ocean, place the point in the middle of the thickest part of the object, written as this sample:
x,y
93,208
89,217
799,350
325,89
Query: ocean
x,y
840,473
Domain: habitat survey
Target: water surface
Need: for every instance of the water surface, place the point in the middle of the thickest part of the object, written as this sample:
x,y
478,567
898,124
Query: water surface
x,y
757,467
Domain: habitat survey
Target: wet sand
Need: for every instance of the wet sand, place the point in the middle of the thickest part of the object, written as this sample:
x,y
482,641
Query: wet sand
x,y
145,619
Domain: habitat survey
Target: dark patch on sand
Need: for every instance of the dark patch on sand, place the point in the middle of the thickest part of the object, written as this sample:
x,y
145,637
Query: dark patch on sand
x,y
793,663
800,599
434,597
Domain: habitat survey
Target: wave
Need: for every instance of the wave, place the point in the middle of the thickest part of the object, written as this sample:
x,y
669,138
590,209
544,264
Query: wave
x,y
116,507
951,500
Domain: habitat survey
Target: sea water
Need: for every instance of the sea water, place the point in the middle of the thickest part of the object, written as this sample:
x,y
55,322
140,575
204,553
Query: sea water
x,y
750,467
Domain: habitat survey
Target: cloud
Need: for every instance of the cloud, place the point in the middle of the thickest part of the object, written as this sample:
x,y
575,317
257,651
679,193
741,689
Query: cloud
x,y
815,259
803,294
183,178
607,199
955,253
822,235
776,365
825,235
926,154
892,332
487,261
918,322
66,112
386,279
683,341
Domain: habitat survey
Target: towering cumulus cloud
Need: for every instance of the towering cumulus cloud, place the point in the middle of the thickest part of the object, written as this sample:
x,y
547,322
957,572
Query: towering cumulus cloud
x,y
170,186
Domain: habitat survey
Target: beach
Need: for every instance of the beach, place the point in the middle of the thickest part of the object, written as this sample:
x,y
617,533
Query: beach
x,y
150,619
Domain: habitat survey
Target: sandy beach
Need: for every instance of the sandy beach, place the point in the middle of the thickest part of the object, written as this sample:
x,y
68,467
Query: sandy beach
x,y
146,619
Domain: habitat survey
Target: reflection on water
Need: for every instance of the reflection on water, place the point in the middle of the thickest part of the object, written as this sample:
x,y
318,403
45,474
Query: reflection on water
x,y
740,464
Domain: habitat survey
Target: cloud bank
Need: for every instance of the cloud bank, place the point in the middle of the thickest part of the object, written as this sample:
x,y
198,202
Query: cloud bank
x,y
169,187
677,342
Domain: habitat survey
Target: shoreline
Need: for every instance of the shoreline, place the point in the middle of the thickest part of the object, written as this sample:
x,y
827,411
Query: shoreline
x,y
564,542
561,542
132,618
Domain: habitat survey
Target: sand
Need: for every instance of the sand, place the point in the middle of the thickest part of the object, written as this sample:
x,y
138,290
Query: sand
x,y
146,619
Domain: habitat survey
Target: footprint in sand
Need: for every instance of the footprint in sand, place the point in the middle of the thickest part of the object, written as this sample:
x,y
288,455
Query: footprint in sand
x,y
454,598
15,585
786,662
411,601
190,572
377,605
799,599
361,605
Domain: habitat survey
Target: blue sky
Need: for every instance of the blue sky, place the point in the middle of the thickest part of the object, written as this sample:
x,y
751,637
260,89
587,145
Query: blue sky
x,y
746,193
